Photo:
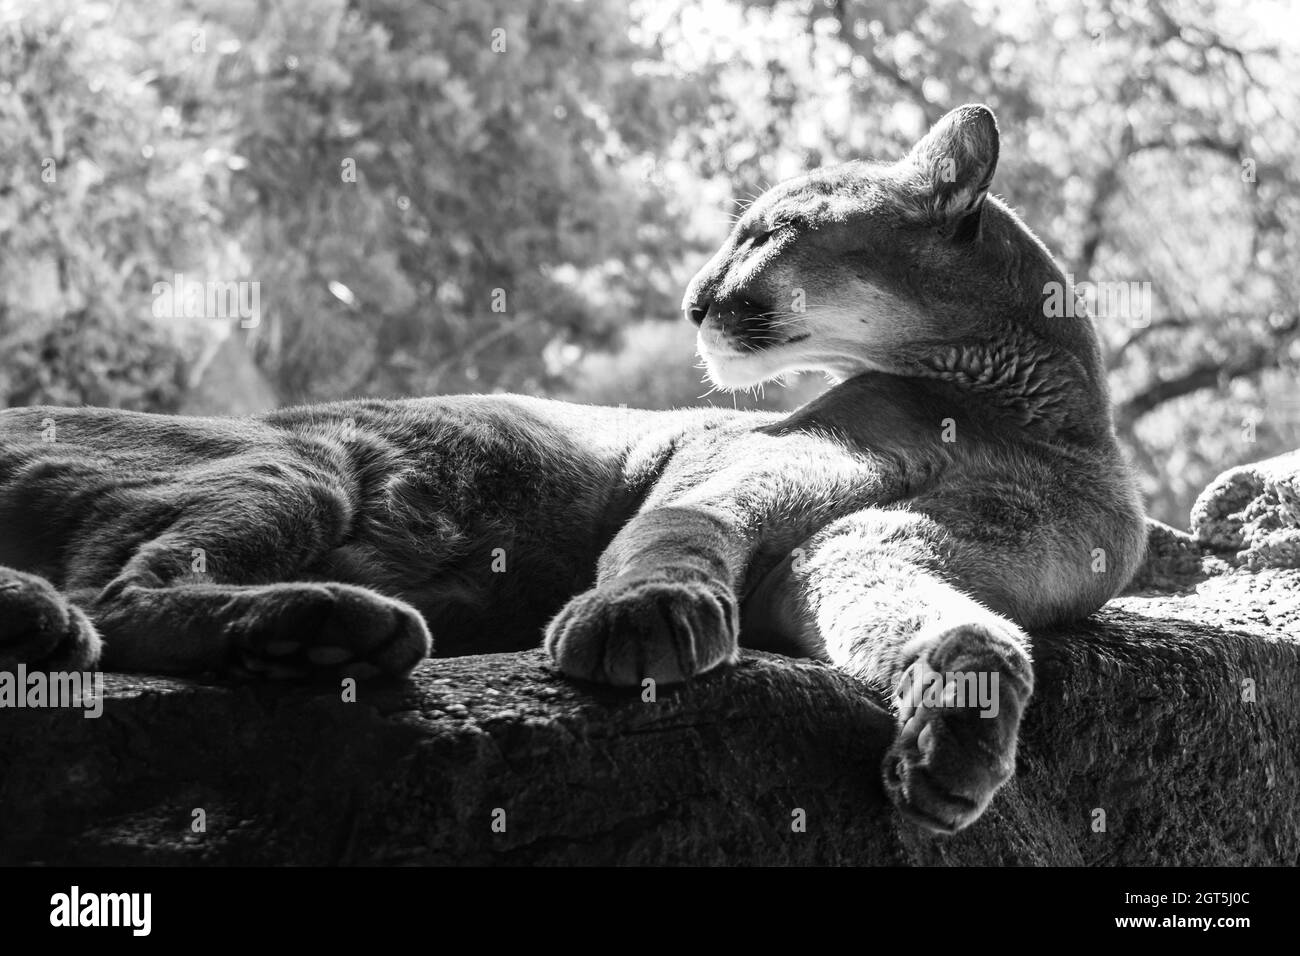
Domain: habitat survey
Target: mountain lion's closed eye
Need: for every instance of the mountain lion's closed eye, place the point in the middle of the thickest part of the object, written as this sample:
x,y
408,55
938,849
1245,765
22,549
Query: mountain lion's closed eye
x,y
956,487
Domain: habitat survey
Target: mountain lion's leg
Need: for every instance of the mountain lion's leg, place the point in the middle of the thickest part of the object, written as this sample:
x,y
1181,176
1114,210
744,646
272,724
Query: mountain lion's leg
x,y
889,596
199,596
664,606
273,630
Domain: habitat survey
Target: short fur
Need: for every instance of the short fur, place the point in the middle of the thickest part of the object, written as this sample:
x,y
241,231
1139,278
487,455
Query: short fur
x,y
960,484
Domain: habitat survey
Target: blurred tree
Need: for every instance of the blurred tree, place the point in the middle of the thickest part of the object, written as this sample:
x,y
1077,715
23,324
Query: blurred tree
x,y
434,195
99,199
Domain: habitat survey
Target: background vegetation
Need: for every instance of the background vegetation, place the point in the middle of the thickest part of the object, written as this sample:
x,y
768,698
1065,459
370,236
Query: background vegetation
x,y
489,195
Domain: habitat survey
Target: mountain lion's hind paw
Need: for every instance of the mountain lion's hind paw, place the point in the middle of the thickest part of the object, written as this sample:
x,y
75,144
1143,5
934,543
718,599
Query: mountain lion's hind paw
x,y
40,628
668,631
959,707
328,630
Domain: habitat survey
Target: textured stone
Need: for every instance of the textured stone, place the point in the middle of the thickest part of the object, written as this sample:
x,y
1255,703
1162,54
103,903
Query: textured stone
x,y
1254,511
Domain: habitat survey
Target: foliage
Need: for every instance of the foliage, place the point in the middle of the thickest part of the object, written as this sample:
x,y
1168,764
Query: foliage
x,y
97,190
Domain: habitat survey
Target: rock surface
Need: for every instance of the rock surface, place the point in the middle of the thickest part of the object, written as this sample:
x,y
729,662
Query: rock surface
x,y
1253,511
1165,731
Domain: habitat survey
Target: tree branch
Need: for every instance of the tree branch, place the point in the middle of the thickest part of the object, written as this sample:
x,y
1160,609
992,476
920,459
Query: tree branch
x,y
1255,359
1108,183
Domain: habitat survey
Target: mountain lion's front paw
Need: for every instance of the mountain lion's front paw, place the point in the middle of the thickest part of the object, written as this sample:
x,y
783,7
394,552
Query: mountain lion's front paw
x,y
959,707
39,627
665,630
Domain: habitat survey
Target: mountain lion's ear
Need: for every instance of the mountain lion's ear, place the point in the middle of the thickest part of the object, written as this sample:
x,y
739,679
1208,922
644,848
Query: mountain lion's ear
x,y
955,162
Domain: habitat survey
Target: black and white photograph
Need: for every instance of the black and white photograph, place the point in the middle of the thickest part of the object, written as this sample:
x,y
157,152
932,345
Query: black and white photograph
x,y
650,434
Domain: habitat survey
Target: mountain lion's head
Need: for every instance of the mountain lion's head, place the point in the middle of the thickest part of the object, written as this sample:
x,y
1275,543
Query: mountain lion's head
x,y
910,268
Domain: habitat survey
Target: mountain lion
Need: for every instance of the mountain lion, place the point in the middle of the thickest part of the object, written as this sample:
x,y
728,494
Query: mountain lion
x,y
960,484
